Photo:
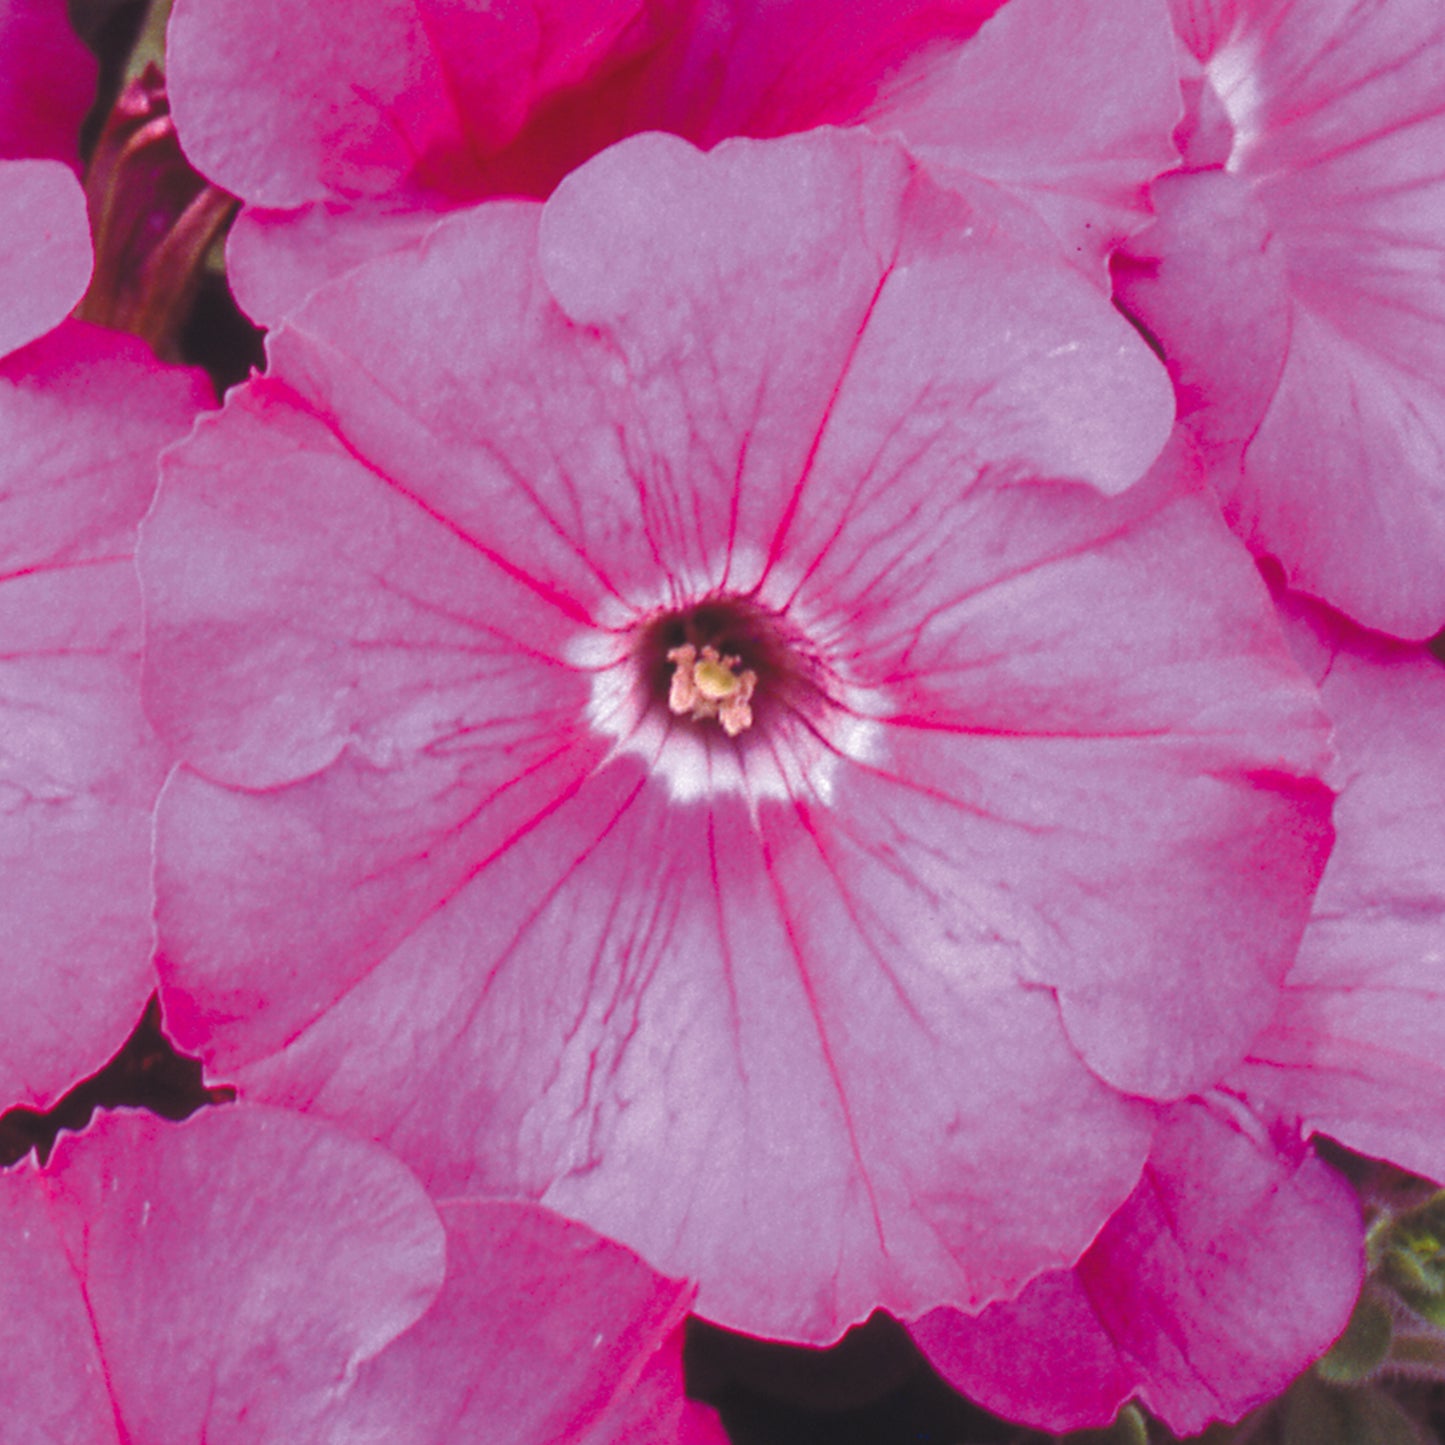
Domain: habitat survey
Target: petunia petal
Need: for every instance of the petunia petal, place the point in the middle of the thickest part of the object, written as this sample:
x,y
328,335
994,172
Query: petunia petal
x,y
1212,239
85,413
777,1097
336,101
544,1334
220,1280
45,255
1338,133
1040,104
1233,1265
276,259
1356,1048
52,1376
1045,378
47,83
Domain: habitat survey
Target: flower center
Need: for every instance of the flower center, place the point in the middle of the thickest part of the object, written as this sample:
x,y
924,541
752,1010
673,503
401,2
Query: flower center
x,y
727,695
727,662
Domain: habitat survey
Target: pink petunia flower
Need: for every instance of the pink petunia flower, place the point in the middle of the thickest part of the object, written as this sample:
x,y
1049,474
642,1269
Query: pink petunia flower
x,y
1356,1048
1232,1266
252,1275
487,847
350,130
47,82
1296,282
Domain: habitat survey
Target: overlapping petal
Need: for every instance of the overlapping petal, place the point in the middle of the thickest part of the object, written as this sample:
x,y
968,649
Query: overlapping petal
x,y
1041,105
543,1334
366,158
713,1000
1232,1266
219,1281
45,255
1337,463
84,414
253,1275
337,101
1356,1049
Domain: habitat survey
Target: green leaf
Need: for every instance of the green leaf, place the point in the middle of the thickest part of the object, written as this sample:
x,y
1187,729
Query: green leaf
x,y
1315,1413
1363,1347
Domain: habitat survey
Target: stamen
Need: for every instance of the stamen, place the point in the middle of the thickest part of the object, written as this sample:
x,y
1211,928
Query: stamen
x,y
705,685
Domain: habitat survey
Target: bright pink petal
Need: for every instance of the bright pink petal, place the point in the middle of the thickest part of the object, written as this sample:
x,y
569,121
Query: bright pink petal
x,y
418,877
47,83
1357,1048
45,255
220,1280
338,100
84,413
1232,1266
544,1334
770,67
1338,136
656,1413
1040,104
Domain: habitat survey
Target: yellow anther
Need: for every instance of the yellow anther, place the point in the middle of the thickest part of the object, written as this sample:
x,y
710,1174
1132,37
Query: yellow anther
x,y
709,686
714,676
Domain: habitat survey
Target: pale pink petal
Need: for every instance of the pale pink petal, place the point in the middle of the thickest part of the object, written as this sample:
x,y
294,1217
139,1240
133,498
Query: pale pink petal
x,y
1233,1265
52,1378
84,413
422,874
652,925
276,259
1204,25
45,255
1212,240
47,83
424,743
1047,381
1338,463
1095,790
544,1334
1357,1050
219,1280
1067,106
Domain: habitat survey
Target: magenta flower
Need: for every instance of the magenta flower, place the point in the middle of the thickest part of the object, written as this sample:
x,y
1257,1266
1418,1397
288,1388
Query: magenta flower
x,y
1232,1266
47,82
1355,1050
252,1275
1296,282
480,849
361,124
